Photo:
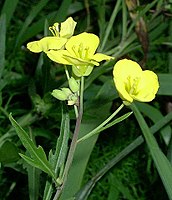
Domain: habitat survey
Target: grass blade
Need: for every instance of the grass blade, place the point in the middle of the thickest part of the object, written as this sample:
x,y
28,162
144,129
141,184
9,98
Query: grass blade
x,y
33,182
110,25
37,27
33,13
162,164
165,84
9,8
2,42
155,115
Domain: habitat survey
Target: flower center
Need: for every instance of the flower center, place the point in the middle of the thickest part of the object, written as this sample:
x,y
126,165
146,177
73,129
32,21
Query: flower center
x,y
81,51
132,86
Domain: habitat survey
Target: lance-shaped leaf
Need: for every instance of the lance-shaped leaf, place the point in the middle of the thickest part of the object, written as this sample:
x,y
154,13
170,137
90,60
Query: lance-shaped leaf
x,y
38,157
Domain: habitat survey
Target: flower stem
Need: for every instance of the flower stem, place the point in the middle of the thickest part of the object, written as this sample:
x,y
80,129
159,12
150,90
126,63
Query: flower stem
x,y
67,72
73,143
68,77
94,131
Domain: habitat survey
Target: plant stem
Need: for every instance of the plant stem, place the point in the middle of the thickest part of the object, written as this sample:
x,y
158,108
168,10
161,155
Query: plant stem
x,y
94,131
67,73
68,77
73,143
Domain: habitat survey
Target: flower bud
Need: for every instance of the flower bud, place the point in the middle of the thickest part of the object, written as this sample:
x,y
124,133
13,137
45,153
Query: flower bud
x,y
74,86
67,91
72,100
59,94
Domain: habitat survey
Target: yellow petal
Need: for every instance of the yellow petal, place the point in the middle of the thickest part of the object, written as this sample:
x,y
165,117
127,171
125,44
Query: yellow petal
x,y
46,44
83,45
99,57
123,93
124,68
67,28
57,56
64,57
147,87
124,72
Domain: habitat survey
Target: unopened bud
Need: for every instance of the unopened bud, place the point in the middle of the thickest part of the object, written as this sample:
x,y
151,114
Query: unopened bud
x,y
59,94
73,100
67,91
74,86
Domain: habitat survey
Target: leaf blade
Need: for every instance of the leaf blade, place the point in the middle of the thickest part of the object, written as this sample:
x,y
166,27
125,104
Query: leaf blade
x,y
38,156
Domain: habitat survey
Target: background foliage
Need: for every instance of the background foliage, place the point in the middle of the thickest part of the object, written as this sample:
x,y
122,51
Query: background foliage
x,y
26,80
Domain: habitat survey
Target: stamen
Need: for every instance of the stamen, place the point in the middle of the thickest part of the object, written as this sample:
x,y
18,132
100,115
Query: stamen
x,y
55,29
86,52
134,85
81,50
75,50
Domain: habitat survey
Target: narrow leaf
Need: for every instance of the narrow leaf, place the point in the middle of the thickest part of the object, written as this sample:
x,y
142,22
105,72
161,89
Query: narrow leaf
x,y
58,159
62,143
33,182
9,8
2,42
165,84
162,164
33,13
155,115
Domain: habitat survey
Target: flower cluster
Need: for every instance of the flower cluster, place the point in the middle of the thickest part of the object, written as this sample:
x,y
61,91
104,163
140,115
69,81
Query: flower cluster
x,y
79,51
64,48
68,94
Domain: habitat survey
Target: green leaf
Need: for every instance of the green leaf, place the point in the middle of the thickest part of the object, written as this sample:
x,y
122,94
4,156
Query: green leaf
x,y
58,159
165,81
9,8
116,187
162,164
155,115
33,182
34,163
62,142
8,152
33,13
2,43
38,157
37,27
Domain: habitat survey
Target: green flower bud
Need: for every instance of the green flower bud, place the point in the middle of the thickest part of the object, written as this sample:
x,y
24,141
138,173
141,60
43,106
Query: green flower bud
x,y
74,86
73,100
67,91
59,94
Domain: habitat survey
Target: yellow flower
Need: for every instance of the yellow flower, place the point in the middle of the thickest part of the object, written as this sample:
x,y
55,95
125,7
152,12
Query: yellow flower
x,y
132,83
57,41
80,53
